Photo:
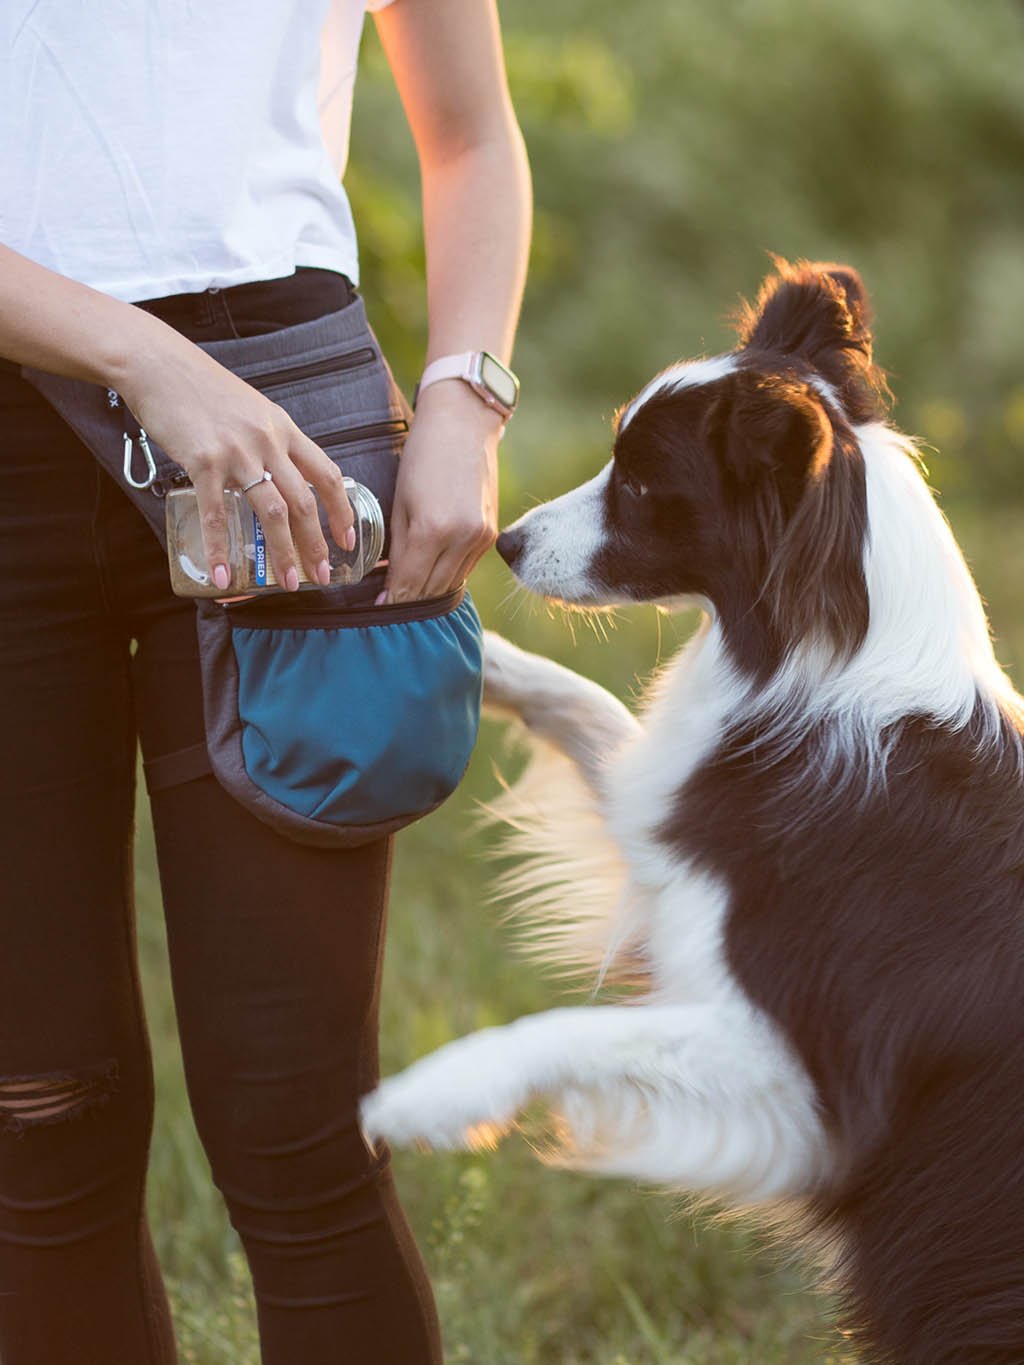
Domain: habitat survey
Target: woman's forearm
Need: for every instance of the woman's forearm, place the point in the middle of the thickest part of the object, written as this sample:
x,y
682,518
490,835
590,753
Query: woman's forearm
x,y
476,212
477,230
447,62
57,324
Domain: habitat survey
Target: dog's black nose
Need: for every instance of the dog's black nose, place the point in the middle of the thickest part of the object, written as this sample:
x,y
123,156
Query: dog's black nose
x,y
510,546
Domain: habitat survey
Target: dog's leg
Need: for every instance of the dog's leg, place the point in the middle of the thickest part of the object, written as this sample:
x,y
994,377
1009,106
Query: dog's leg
x,y
573,713
702,1097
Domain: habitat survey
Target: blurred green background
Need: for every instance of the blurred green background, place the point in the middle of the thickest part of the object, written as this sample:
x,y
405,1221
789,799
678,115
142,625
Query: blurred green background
x,y
673,145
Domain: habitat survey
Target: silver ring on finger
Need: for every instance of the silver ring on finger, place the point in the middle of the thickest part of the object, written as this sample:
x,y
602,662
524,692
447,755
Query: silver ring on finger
x,y
265,477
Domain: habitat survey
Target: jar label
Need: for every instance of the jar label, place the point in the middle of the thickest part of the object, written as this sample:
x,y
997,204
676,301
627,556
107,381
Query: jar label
x,y
263,571
260,544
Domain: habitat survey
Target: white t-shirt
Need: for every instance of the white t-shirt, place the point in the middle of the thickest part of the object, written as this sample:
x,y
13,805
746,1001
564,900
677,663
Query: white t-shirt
x,y
152,147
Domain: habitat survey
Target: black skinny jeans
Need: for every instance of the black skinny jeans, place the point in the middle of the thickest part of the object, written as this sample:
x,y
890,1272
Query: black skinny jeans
x,y
274,947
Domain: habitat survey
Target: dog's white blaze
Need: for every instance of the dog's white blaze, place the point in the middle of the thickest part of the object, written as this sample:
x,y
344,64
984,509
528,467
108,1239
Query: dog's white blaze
x,y
687,374
563,537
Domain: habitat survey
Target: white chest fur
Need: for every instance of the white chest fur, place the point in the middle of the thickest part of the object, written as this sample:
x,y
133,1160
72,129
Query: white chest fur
x,y
684,909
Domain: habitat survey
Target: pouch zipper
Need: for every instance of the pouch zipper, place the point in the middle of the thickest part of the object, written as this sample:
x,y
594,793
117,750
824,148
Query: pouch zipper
x,y
395,426
330,364
264,617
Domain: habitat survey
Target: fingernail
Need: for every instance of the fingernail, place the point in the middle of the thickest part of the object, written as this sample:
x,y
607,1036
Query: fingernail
x,y
381,598
291,579
221,577
323,573
350,538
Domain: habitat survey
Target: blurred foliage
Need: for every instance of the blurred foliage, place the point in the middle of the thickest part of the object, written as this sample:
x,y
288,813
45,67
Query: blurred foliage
x,y
674,144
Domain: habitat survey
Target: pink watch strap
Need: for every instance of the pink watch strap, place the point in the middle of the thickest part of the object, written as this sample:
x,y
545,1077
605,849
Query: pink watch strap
x,y
463,366
449,367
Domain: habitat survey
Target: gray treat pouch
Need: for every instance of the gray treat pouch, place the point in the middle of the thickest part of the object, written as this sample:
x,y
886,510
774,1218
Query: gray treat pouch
x,y
332,720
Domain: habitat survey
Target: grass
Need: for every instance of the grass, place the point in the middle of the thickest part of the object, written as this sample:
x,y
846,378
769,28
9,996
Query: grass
x,y
530,1266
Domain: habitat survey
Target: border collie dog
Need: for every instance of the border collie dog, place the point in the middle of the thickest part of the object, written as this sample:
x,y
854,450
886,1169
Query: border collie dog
x,y
806,857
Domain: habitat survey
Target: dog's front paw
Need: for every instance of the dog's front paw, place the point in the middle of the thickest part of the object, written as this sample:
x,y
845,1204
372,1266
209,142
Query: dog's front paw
x,y
462,1096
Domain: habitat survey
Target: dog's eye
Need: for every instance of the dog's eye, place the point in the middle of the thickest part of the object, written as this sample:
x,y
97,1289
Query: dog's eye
x,y
633,486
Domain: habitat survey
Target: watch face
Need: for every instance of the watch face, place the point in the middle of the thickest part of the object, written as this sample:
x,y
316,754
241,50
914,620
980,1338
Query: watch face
x,y
499,380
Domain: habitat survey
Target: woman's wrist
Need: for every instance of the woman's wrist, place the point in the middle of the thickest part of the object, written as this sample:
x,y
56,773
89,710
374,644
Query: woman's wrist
x,y
141,346
453,401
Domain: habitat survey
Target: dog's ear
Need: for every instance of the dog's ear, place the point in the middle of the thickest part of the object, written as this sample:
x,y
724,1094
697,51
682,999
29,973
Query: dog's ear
x,y
801,517
767,430
819,311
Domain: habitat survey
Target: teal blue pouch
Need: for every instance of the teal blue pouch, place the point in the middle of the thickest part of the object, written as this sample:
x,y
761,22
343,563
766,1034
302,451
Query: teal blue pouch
x,y
337,721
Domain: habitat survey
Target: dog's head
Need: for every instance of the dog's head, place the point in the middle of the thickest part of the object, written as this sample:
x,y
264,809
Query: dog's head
x,y
736,481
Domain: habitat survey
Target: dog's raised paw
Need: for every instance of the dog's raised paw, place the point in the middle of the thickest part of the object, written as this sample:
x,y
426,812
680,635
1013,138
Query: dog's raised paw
x,y
452,1099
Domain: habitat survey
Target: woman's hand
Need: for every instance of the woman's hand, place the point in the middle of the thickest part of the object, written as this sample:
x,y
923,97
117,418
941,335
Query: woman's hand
x,y
445,514
224,433
221,430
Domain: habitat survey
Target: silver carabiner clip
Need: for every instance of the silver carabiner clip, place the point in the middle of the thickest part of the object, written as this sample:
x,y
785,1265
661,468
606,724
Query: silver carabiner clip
x,y
129,477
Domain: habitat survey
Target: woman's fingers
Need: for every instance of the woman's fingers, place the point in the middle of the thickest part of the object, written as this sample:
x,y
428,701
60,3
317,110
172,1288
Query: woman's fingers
x,y
209,486
446,573
466,568
329,482
290,510
298,523
411,561
453,569
268,502
425,564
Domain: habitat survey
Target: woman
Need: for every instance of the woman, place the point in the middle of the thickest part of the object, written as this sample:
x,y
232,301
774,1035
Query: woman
x,y
170,155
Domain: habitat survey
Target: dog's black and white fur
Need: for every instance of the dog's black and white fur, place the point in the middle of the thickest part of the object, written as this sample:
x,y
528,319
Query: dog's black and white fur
x,y
809,849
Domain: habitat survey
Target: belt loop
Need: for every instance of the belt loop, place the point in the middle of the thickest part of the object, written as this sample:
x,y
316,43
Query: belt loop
x,y
220,308
203,311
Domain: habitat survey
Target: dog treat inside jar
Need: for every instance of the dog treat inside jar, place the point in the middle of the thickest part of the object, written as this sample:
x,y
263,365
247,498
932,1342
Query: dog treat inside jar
x,y
248,558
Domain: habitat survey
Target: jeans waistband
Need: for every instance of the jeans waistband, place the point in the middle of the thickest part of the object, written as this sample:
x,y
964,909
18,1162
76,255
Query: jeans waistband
x,y
258,305
246,309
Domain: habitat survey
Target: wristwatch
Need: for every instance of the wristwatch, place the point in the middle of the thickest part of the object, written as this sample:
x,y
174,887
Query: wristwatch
x,y
484,373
